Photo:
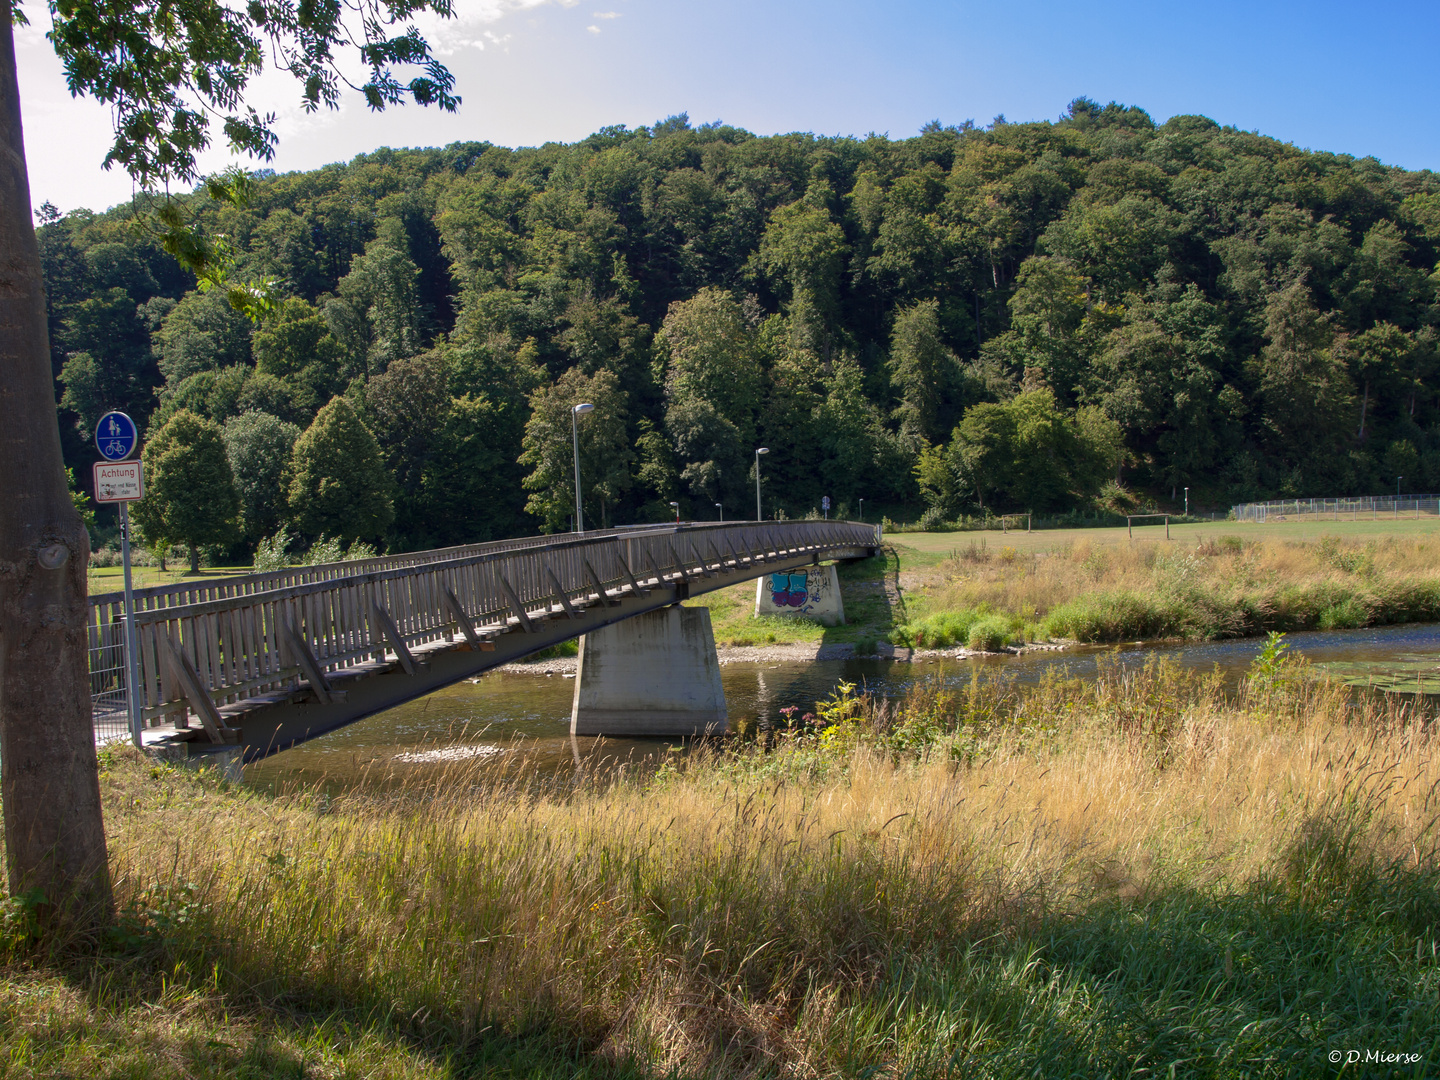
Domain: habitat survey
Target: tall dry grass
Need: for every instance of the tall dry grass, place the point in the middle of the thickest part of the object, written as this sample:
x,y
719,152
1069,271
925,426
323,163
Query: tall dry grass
x,y
1221,587
1076,879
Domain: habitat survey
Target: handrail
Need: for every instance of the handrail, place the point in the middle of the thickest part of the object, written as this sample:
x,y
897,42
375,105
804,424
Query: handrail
x,y
255,634
346,567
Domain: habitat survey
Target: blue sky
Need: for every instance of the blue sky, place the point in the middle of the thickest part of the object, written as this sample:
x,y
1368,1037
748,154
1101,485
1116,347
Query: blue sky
x,y
1357,79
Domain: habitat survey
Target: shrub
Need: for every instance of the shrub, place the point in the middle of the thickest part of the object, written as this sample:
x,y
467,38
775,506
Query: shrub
x,y
990,634
933,520
1115,616
360,550
1346,615
940,631
270,553
325,550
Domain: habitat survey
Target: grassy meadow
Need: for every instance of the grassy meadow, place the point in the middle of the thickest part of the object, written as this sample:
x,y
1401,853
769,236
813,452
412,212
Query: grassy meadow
x,y
1301,530
1134,876
1228,585
990,590
106,579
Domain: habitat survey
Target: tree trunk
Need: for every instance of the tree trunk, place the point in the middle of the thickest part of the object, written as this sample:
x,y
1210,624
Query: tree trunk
x,y
54,835
194,559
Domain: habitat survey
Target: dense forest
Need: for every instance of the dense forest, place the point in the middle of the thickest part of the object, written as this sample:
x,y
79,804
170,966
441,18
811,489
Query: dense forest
x,y
1029,316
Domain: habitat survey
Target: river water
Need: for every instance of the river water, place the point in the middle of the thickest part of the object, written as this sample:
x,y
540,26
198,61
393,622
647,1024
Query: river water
x,y
507,722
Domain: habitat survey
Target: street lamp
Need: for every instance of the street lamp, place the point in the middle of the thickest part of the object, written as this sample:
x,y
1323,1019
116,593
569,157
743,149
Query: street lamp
x,y
759,515
676,506
575,412
722,511
1397,486
862,511
1187,502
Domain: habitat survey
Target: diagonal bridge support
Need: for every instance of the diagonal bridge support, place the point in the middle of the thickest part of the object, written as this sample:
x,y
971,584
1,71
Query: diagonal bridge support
x,y
288,656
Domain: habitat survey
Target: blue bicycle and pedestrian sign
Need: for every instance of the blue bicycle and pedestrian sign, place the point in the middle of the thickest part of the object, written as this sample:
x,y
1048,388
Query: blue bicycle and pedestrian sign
x,y
115,436
120,481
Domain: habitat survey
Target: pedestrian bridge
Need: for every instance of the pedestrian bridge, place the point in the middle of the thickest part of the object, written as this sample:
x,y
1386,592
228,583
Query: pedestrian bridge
x,y
264,661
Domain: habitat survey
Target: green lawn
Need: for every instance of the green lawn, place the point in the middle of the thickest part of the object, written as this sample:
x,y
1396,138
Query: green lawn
x,y
874,604
104,579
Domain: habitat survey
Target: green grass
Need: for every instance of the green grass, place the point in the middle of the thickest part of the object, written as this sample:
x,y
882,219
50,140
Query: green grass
x,y
870,612
976,628
1121,615
103,579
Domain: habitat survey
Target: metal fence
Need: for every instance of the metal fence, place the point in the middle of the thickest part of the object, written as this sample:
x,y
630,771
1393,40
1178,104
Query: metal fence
x,y
109,694
1364,508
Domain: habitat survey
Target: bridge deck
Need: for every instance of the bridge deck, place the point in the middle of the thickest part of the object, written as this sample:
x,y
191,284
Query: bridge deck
x,y
268,660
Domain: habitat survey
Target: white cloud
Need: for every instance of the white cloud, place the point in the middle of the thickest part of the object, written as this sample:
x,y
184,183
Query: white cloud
x,y
465,30
605,14
593,29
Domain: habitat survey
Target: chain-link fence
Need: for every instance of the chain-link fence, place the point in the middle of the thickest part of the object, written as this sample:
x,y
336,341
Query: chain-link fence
x,y
1365,508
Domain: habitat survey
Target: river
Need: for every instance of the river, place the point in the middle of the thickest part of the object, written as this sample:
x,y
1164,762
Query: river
x,y
508,721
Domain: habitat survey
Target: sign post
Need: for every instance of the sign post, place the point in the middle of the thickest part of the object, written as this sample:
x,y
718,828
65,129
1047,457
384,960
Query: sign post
x,y
825,505
118,479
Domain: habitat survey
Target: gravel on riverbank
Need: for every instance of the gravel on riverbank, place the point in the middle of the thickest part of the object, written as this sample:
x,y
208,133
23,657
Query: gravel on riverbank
x,y
800,653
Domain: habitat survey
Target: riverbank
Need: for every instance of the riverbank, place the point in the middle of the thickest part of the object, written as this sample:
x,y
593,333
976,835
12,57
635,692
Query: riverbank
x,y
1224,586
803,652
1130,874
984,594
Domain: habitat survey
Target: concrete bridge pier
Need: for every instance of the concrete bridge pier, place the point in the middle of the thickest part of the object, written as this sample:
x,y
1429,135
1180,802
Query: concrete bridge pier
x,y
655,675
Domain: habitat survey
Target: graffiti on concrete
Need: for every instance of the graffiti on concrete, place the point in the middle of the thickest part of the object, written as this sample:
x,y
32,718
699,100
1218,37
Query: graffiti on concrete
x,y
789,590
814,592
801,592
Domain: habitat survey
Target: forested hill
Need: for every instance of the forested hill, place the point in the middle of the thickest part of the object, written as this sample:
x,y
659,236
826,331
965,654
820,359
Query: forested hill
x,y
1013,317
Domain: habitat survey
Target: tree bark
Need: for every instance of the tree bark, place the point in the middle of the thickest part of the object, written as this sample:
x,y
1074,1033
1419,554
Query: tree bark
x,y
54,834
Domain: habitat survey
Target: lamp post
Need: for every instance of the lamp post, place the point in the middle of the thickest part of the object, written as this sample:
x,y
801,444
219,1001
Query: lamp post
x,y
1187,502
722,511
862,511
1397,486
759,514
575,413
676,507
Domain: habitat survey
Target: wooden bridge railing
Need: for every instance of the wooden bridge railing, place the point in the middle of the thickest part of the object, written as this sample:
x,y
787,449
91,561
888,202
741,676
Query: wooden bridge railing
x,y
246,636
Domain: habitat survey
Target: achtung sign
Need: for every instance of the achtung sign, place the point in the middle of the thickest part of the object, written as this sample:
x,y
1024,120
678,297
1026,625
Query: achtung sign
x,y
118,481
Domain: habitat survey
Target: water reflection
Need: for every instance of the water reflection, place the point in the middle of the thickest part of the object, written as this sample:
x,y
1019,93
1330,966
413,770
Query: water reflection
x,y
513,725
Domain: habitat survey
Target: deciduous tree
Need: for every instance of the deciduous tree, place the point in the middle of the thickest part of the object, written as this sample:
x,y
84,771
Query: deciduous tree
x,y
189,488
605,453
164,71
339,487
258,447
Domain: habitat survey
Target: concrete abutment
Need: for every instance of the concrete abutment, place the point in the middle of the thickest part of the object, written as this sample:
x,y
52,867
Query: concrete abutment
x,y
812,591
655,675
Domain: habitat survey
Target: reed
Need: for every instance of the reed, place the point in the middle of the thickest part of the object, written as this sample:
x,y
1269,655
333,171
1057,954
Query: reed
x,y
1071,879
